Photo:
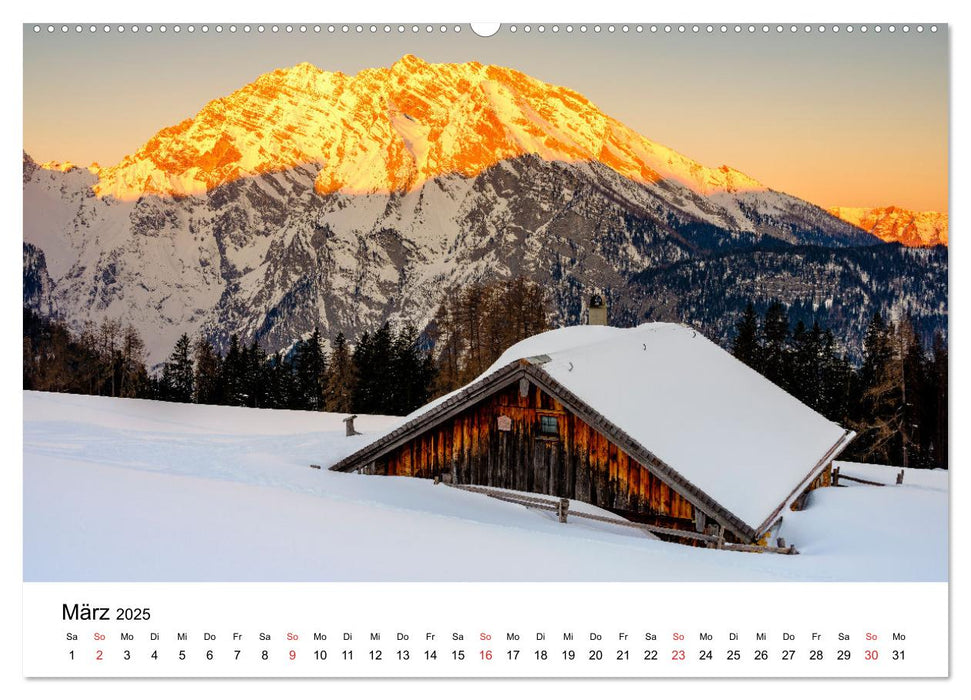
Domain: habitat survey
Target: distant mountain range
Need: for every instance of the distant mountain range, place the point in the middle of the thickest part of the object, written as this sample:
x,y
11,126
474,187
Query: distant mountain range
x,y
896,225
309,198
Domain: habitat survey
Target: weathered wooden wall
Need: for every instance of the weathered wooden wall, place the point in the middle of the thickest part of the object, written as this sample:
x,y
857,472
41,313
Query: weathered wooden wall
x,y
824,479
580,463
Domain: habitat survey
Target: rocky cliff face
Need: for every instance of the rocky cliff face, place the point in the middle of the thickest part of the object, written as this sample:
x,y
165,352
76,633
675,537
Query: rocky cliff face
x,y
37,283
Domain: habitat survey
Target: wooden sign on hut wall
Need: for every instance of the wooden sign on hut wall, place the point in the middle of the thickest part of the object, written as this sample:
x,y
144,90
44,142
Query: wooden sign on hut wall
x,y
504,423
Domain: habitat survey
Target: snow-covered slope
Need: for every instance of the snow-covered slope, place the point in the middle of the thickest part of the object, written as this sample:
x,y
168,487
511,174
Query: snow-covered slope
x,y
126,490
896,225
269,258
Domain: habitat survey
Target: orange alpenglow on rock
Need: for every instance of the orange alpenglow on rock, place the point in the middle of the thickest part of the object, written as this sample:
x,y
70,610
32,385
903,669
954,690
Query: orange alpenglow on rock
x,y
65,167
392,129
896,225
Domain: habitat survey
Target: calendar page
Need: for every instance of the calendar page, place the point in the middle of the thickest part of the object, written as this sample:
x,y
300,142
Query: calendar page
x,y
522,350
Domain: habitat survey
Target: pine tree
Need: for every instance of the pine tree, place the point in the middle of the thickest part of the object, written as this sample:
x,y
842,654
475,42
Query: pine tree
x,y
255,376
208,377
340,378
805,378
877,350
278,376
163,387
412,372
180,376
746,345
374,369
936,415
775,356
913,369
232,374
837,381
361,359
310,366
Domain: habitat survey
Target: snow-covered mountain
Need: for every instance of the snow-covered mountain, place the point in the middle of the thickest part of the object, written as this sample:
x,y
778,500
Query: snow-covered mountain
x,y
313,198
896,225
393,129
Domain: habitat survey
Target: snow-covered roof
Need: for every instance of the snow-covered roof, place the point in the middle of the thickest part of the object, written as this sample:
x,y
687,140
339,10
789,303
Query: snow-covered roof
x,y
724,427
733,435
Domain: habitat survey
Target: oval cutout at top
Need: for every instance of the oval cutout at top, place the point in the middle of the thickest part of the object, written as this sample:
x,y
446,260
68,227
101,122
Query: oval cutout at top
x,y
485,29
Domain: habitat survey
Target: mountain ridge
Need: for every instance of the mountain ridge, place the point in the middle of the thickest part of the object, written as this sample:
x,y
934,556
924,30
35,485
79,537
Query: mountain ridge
x,y
270,253
392,129
893,224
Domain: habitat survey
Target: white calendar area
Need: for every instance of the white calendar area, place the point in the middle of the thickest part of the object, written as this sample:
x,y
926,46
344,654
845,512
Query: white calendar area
x,y
486,630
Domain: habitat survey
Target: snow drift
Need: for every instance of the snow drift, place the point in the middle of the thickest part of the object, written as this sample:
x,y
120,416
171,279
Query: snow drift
x,y
127,490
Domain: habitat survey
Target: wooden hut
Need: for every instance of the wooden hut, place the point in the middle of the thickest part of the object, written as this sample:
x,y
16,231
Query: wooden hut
x,y
655,423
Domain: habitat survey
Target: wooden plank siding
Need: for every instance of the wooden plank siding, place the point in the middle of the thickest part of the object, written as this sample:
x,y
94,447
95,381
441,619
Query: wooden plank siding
x,y
579,462
824,479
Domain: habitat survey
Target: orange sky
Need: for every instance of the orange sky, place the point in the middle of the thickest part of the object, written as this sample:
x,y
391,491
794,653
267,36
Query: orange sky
x,y
838,119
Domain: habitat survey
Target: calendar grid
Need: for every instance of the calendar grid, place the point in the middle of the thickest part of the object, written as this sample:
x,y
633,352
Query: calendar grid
x,y
512,630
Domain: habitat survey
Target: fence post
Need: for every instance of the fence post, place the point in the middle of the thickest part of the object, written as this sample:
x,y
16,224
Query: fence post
x,y
836,476
900,477
561,508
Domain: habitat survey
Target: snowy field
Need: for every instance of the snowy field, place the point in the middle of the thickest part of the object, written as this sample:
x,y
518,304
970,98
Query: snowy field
x,y
127,490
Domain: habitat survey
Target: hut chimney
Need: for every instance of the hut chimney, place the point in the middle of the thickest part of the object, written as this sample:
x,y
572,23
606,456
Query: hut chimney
x,y
349,426
597,311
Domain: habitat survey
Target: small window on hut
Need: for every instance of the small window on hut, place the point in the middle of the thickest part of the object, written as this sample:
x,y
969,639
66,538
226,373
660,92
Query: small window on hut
x,y
549,426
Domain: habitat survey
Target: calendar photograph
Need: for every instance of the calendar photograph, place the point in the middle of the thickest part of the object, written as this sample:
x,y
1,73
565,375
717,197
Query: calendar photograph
x,y
445,303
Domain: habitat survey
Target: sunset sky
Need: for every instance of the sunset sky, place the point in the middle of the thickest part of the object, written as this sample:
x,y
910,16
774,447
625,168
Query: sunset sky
x,y
838,119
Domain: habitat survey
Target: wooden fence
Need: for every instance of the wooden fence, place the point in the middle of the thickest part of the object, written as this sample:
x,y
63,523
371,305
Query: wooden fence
x,y
562,508
837,477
